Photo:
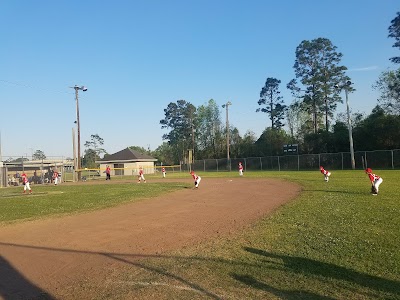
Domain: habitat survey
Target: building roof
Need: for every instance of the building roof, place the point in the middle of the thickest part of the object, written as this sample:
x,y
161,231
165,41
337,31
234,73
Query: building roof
x,y
126,155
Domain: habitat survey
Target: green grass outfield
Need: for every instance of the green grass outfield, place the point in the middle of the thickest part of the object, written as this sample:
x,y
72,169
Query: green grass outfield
x,y
335,241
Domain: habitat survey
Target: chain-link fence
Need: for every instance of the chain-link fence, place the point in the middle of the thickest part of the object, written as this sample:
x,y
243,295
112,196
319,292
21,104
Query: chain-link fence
x,y
40,171
379,159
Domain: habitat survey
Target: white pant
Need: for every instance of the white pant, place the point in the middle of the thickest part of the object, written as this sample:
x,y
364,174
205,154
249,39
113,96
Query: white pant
x,y
141,177
27,186
241,172
56,181
163,174
197,182
327,176
377,183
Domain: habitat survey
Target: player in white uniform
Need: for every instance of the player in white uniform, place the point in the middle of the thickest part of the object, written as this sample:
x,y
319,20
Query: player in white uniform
x,y
326,173
141,175
25,181
240,169
196,178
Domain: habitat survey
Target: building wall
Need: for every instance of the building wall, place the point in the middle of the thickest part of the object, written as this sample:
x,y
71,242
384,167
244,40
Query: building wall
x,y
129,168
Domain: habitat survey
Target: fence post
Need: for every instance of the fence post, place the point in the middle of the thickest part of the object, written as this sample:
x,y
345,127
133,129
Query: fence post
x,y
366,162
392,160
319,160
204,164
279,164
298,162
260,164
217,164
342,161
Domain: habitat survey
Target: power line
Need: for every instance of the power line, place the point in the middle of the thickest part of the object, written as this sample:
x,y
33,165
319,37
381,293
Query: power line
x,y
34,87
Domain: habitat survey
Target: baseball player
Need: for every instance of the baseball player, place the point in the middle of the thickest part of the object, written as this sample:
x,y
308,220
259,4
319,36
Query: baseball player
x,y
326,173
141,176
240,169
108,172
25,181
375,181
163,172
196,178
55,177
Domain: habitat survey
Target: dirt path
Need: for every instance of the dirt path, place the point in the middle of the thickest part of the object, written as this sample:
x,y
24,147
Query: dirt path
x,y
53,256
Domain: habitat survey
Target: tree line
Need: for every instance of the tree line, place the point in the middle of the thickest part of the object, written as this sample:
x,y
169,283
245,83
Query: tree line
x,y
308,121
320,78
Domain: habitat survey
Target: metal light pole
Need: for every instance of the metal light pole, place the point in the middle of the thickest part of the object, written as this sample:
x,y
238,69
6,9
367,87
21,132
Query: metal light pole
x,y
226,105
346,90
77,88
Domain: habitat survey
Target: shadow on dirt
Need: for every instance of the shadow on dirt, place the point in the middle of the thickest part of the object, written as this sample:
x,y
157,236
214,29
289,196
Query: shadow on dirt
x,y
13,285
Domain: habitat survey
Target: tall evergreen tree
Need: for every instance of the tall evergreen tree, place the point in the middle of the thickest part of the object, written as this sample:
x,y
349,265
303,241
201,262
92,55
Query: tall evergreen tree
x,y
318,70
209,133
274,107
180,117
389,86
394,32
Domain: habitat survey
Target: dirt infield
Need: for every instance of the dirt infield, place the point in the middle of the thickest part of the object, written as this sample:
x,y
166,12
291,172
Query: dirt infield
x,y
52,257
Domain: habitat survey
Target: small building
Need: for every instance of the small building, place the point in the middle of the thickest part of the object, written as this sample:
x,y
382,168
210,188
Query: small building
x,y
127,162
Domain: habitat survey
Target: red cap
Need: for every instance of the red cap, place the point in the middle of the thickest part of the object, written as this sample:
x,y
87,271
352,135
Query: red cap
x,y
368,170
321,167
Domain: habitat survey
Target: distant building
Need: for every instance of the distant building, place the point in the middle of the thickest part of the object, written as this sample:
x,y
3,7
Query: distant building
x,y
127,162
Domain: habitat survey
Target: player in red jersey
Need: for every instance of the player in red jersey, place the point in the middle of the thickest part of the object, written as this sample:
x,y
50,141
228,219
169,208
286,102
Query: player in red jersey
x,y
326,173
108,172
375,181
55,177
141,175
163,172
240,169
196,178
25,181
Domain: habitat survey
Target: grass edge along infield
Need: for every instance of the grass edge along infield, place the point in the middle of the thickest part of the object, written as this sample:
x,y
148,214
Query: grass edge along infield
x,y
335,241
50,200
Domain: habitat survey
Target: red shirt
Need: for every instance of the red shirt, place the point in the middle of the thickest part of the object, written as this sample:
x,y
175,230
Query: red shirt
x,y
24,178
373,177
108,170
163,170
140,172
55,174
323,171
240,167
195,177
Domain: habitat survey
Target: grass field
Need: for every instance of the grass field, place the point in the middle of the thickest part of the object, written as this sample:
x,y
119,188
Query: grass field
x,y
335,241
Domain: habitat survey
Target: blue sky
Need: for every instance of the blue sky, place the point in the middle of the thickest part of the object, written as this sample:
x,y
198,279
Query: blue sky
x,y
135,57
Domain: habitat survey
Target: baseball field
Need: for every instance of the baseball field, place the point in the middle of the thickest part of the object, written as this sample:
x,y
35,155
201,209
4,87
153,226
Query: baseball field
x,y
266,235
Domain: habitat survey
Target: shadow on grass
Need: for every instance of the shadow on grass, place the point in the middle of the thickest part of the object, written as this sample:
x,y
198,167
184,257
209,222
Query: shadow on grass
x,y
287,294
290,264
303,265
336,191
